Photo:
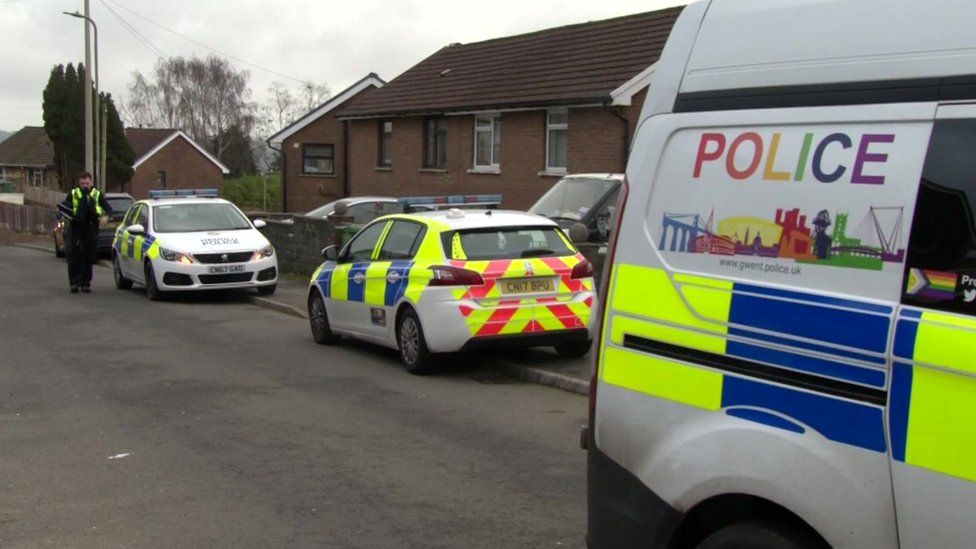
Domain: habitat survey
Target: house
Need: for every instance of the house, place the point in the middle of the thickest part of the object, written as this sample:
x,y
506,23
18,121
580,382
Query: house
x,y
27,159
313,150
509,115
170,159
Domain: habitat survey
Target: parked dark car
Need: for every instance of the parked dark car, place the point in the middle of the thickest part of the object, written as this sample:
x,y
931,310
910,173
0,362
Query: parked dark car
x,y
589,199
120,203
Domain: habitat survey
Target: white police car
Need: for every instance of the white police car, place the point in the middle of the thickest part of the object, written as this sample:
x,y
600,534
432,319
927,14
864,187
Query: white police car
x,y
191,240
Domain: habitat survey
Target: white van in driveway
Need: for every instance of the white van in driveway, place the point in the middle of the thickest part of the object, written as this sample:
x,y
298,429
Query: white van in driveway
x,y
787,356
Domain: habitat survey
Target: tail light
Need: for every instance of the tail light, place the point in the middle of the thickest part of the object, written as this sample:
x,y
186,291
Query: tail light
x,y
455,276
604,295
583,269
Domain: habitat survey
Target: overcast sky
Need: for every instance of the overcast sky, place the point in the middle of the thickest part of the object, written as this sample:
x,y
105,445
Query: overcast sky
x,y
323,41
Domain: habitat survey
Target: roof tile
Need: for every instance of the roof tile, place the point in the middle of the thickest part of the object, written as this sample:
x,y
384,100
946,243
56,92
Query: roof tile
x,y
563,65
28,147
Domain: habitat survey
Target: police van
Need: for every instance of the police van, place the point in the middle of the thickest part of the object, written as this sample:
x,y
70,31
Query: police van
x,y
787,350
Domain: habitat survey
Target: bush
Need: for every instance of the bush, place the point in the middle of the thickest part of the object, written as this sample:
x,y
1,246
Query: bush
x,y
246,191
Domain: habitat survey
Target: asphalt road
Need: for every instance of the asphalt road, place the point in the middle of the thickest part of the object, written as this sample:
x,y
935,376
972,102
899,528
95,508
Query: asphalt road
x,y
229,427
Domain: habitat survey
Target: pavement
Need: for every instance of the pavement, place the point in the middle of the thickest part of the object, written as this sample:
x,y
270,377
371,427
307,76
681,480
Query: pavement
x,y
207,421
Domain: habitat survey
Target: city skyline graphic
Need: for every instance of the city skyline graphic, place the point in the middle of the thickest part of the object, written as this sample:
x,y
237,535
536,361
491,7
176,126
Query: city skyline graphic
x,y
822,239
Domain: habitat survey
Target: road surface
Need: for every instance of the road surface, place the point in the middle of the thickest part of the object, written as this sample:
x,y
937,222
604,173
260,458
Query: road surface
x,y
211,422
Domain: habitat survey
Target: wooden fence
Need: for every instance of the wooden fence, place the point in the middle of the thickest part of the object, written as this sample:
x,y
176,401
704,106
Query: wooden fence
x,y
32,219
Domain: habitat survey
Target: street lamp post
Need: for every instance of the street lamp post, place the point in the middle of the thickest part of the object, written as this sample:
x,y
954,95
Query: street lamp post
x,y
92,158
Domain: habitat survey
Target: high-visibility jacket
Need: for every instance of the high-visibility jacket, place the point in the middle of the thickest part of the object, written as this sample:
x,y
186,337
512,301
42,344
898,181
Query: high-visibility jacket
x,y
94,195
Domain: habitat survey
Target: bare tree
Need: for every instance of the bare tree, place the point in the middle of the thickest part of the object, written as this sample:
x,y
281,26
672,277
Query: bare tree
x,y
282,107
207,98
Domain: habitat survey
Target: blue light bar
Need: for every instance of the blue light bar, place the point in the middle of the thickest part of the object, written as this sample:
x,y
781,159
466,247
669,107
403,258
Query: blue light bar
x,y
452,200
183,193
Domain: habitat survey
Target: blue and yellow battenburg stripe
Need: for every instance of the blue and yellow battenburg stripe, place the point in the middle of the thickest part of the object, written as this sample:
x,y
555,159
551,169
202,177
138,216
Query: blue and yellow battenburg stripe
x,y
380,282
135,247
808,336
933,392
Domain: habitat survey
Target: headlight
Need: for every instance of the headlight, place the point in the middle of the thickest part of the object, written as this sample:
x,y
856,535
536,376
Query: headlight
x,y
267,251
170,255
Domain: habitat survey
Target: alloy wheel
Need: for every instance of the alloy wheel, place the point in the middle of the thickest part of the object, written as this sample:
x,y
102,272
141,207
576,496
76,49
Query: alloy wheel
x,y
409,340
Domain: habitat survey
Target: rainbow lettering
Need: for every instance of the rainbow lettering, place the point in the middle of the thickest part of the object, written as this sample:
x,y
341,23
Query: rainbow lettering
x,y
783,161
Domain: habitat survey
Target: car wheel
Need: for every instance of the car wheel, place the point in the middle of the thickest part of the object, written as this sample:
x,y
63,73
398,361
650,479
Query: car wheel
x,y
318,320
573,349
414,355
58,250
152,289
756,535
121,282
267,290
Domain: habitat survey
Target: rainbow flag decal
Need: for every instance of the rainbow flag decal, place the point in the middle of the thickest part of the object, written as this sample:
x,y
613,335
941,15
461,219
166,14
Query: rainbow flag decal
x,y
932,284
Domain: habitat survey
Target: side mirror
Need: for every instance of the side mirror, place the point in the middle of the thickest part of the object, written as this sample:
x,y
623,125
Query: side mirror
x,y
136,229
260,224
578,233
330,253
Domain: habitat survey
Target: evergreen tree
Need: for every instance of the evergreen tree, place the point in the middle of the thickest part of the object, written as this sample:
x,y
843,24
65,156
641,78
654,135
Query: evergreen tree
x,y
118,155
64,122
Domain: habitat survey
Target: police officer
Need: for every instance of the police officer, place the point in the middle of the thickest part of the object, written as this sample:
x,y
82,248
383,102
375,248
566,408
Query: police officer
x,y
86,205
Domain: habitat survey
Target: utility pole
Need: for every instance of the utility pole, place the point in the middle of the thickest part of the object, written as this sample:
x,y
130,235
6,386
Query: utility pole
x,y
103,147
94,162
89,136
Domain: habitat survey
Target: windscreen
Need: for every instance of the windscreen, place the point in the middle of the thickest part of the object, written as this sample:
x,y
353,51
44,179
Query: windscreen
x,y
180,218
119,206
572,198
506,243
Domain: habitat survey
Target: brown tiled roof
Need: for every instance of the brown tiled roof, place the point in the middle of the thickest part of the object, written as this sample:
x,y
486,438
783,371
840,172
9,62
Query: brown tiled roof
x,y
143,140
566,65
28,147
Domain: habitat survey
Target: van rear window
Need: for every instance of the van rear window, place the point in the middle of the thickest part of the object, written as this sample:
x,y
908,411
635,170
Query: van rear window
x,y
505,243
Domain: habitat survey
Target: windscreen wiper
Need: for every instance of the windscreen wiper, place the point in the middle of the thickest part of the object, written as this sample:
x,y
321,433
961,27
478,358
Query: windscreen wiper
x,y
537,252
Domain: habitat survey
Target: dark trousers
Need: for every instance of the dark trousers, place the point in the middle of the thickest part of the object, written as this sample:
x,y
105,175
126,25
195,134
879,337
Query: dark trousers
x,y
82,253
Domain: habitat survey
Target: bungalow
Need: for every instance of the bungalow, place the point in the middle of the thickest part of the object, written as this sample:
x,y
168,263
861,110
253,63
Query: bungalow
x,y
170,159
27,159
314,153
509,115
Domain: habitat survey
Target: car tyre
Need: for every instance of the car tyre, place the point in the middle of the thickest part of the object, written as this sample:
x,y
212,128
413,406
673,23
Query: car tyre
x,y
573,349
152,288
414,354
318,320
121,282
757,535
58,250
267,290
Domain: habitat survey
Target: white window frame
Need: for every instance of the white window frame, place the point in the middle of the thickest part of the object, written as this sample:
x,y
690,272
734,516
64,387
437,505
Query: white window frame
x,y
35,177
549,128
493,118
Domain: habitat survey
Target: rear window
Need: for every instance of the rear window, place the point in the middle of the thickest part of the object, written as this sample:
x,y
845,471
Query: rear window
x,y
505,243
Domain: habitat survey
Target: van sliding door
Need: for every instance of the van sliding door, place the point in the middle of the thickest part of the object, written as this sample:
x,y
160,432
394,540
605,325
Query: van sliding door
x,y
932,397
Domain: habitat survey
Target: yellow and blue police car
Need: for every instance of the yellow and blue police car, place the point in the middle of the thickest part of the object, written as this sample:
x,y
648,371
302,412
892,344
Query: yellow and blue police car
x,y
446,281
191,240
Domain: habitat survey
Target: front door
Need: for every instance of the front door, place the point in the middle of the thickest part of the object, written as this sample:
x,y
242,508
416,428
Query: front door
x,y
932,397
388,278
345,305
126,246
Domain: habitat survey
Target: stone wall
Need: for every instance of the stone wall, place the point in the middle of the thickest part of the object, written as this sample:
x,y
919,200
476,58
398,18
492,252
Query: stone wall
x,y
299,241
